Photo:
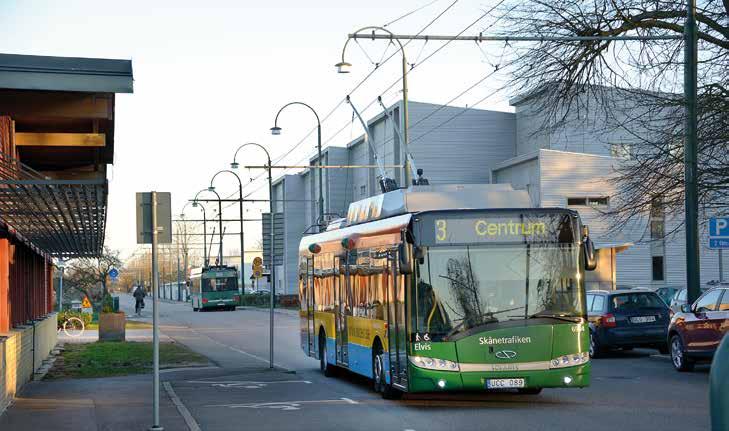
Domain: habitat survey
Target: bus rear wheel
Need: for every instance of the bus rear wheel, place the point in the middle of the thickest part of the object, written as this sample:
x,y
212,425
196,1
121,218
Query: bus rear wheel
x,y
324,366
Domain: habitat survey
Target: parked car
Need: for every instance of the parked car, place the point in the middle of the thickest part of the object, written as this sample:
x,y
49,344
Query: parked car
x,y
626,319
666,293
697,329
679,299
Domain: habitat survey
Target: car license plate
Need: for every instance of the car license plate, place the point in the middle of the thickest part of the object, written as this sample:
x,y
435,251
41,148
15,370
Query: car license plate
x,y
505,383
643,319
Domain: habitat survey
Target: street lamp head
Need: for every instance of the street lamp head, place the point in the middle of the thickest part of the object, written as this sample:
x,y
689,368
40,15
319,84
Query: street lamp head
x,y
275,130
343,67
211,188
234,165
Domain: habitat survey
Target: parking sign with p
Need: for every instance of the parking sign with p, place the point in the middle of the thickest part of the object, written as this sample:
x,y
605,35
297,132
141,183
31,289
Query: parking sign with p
x,y
719,232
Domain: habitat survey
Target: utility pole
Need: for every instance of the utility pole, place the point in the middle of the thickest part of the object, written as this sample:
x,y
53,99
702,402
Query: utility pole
x,y
693,279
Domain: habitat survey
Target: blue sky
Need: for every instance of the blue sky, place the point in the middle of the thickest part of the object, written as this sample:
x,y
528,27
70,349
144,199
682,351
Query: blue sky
x,y
211,75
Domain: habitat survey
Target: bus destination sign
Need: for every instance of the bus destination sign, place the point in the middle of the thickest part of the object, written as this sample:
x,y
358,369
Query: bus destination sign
x,y
496,229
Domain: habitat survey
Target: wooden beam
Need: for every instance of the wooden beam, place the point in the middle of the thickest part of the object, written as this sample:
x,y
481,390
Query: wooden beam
x,y
60,140
56,104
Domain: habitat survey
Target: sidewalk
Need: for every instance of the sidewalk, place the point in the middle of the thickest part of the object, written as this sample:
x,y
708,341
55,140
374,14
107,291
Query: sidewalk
x,y
116,403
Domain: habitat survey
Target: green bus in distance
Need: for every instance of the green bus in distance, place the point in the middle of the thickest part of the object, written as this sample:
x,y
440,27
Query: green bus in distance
x,y
214,288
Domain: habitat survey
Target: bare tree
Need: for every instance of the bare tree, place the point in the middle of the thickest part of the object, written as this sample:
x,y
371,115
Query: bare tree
x,y
91,276
635,87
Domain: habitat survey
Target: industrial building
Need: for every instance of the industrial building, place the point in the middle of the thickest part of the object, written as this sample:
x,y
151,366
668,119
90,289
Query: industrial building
x,y
569,166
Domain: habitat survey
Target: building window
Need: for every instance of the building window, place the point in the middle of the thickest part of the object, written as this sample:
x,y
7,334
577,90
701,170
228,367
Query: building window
x,y
657,219
658,268
594,201
363,190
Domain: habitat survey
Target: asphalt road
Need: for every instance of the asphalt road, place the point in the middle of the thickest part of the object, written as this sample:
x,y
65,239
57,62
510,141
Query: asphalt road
x,y
629,391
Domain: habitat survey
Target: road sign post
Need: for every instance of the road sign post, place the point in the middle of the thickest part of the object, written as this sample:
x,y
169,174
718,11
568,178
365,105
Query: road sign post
x,y
154,225
719,239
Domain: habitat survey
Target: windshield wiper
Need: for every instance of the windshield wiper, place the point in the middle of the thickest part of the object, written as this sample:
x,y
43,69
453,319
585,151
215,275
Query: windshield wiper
x,y
489,314
554,316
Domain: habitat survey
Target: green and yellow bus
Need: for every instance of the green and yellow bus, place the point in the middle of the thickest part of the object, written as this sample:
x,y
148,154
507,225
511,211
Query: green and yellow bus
x,y
440,288
214,288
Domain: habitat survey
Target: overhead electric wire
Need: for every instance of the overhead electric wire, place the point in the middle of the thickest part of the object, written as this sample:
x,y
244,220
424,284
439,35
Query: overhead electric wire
x,y
410,13
359,84
356,87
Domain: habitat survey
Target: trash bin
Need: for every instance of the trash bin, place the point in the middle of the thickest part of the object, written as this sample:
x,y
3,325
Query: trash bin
x,y
116,303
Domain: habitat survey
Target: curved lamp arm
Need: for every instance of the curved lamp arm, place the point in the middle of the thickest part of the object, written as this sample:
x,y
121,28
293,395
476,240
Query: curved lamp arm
x,y
235,164
212,187
344,64
276,130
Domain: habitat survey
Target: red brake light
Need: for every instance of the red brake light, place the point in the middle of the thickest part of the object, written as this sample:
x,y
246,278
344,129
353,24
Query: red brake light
x,y
608,321
205,300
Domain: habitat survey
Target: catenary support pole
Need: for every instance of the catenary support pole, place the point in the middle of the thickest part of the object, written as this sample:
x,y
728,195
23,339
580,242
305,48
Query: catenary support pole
x,y
273,265
693,279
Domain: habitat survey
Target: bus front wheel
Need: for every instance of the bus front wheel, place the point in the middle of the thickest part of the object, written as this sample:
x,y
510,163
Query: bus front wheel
x,y
378,375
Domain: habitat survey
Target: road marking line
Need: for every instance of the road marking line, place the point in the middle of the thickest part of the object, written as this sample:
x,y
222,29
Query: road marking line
x,y
245,382
350,401
174,370
186,415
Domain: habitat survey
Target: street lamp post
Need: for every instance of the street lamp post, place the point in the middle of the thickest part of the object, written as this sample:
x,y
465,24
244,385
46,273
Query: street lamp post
x,y
276,130
240,209
220,218
235,165
205,230
61,266
343,67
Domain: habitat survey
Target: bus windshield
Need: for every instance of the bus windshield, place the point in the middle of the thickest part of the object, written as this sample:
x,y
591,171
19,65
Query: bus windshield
x,y
219,284
461,288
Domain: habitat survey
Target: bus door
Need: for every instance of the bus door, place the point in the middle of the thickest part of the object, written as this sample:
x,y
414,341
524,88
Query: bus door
x,y
396,325
341,299
310,307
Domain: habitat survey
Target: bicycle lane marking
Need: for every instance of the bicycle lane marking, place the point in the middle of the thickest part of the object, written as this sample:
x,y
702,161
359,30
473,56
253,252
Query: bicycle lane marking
x,y
284,405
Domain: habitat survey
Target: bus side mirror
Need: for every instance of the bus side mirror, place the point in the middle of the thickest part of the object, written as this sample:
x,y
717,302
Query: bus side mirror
x,y
589,252
419,254
405,257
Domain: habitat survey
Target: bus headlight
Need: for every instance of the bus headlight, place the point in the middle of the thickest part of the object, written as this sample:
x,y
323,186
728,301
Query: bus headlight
x,y
434,364
570,360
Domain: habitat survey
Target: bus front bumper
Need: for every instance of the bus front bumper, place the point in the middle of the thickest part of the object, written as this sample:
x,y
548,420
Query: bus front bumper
x,y
422,380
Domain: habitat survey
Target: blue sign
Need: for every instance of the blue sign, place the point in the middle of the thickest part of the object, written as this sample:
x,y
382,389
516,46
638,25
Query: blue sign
x,y
114,273
719,232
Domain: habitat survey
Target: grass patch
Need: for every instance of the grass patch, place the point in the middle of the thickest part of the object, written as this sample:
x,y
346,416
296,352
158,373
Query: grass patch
x,y
130,324
108,359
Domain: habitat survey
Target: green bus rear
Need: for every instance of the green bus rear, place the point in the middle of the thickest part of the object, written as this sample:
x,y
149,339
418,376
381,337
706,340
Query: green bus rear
x,y
214,288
